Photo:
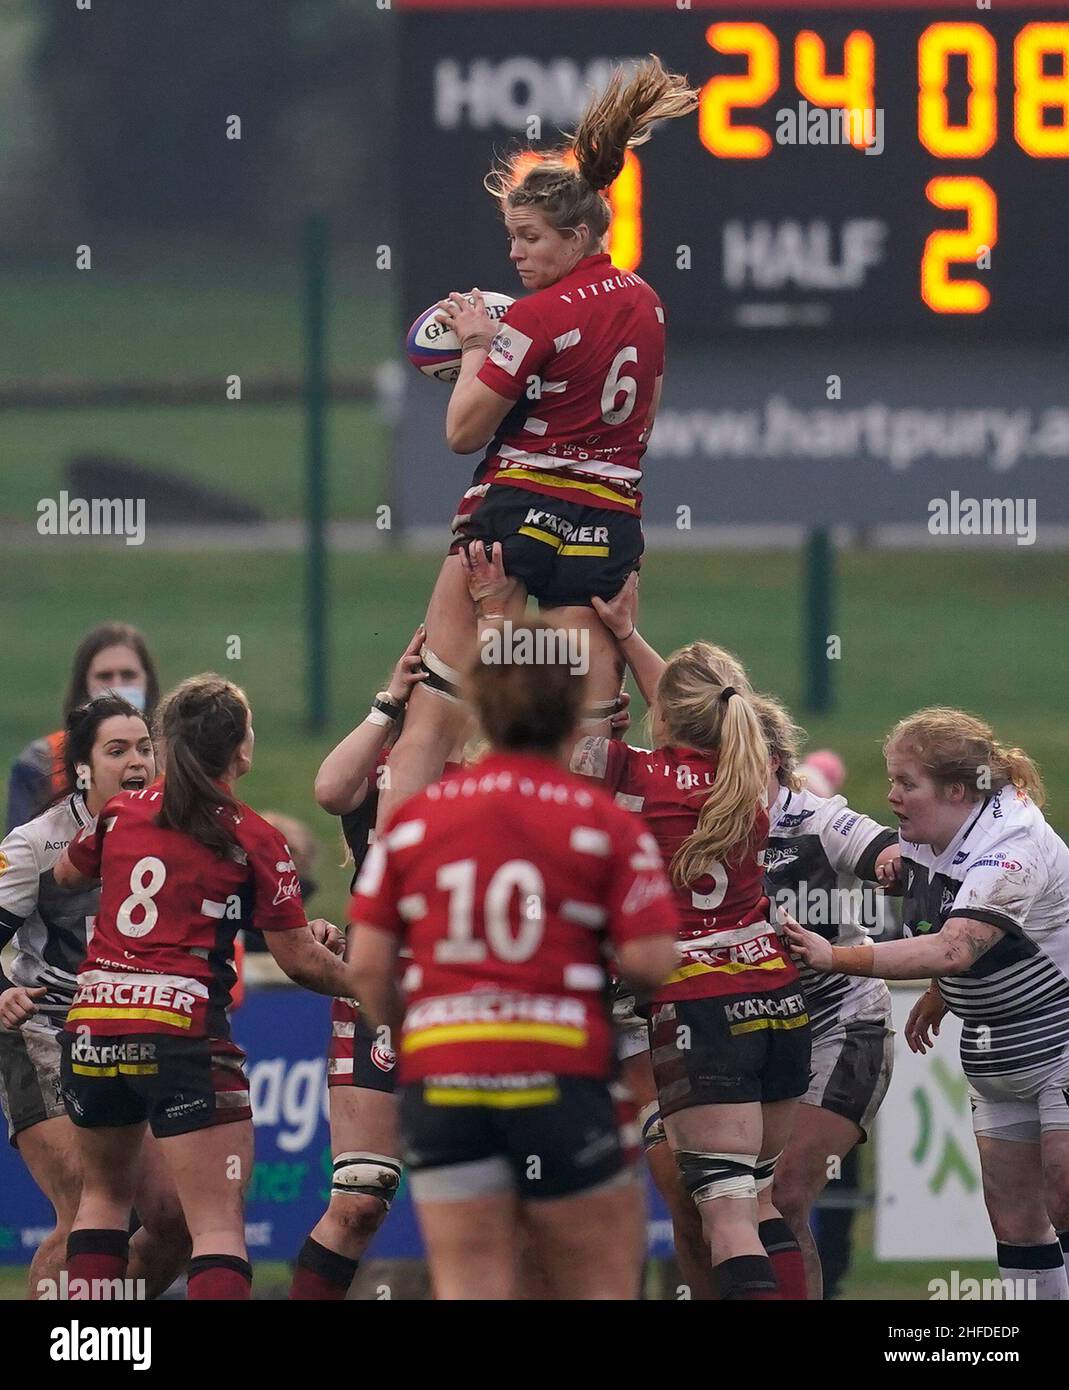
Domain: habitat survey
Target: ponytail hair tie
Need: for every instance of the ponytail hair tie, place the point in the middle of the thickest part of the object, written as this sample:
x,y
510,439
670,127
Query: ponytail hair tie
x,y
726,693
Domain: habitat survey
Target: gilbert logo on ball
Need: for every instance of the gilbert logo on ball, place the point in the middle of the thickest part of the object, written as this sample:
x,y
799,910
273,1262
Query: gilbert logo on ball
x,y
434,348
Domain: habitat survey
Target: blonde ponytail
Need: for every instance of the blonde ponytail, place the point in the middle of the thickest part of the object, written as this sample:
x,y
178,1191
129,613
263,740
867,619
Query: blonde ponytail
x,y
566,184
698,712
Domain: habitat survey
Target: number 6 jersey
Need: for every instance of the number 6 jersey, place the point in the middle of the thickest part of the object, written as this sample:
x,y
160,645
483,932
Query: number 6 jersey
x,y
160,959
581,360
507,882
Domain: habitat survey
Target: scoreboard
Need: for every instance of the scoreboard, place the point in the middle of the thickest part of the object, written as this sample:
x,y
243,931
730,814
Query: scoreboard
x,y
865,171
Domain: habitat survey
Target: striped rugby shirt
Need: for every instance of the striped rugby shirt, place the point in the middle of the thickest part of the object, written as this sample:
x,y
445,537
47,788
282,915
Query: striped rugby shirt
x,y
1007,867
50,925
818,855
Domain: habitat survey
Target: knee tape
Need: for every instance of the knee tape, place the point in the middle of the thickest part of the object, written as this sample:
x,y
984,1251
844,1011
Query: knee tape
x,y
765,1172
366,1175
708,1176
652,1126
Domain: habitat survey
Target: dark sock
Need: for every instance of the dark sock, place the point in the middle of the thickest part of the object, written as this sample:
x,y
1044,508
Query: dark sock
x,y
221,1277
785,1256
96,1255
1039,1270
321,1273
746,1277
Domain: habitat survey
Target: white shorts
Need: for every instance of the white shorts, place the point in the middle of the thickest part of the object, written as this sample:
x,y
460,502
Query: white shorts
x,y
1021,1105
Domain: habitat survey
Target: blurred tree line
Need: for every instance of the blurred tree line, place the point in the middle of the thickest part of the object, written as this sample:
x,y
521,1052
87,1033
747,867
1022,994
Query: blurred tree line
x,y
139,92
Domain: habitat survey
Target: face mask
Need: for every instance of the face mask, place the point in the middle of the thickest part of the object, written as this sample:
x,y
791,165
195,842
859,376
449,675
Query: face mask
x,y
132,694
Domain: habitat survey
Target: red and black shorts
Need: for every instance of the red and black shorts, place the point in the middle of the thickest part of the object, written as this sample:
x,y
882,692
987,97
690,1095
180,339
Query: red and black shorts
x,y
564,552
730,1049
178,1085
356,1057
539,1136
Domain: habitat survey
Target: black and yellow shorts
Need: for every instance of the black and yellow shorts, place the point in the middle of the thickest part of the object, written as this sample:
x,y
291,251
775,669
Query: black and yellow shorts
x,y
539,1136
564,552
178,1085
731,1049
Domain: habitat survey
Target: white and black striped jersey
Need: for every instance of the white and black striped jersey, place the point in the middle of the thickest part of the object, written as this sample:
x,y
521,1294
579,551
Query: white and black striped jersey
x,y
49,923
1006,866
819,853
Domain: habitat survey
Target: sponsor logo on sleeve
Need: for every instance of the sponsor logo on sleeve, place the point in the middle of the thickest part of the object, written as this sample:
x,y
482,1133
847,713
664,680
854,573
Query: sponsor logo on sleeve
x,y
509,348
289,886
846,822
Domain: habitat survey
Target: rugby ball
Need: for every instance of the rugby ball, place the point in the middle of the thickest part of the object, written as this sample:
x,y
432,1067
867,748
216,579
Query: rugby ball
x,y
434,348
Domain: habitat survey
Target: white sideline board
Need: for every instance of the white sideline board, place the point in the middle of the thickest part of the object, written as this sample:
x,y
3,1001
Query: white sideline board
x,y
929,1202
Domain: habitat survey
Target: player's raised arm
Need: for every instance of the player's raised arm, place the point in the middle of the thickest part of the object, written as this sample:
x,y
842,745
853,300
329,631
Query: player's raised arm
x,y
620,615
342,780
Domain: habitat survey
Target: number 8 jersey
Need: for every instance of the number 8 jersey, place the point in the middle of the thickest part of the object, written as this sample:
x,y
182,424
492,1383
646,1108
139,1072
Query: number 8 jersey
x,y
581,359
509,882
160,958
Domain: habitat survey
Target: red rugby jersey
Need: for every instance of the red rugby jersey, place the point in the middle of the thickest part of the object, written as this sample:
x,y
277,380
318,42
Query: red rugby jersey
x,y
508,881
581,358
726,940
160,958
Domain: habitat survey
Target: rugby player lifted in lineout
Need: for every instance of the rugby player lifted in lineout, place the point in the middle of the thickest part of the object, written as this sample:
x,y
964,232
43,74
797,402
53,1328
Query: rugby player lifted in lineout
x,y
564,396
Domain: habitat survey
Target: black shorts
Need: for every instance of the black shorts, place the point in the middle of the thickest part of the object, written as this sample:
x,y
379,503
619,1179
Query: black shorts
x,y
178,1085
355,1056
564,552
731,1049
461,1140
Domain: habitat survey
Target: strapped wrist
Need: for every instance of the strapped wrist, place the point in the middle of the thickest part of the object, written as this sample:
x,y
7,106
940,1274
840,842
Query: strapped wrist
x,y
853,960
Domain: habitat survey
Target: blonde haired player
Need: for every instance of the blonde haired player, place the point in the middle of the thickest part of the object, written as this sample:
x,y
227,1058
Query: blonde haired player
x,y
986,885
558,483
728,1031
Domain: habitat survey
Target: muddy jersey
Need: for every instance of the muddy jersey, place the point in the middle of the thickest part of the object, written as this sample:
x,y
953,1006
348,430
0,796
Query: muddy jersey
x,y
1007,867
511,882
581,359
726,941
818,855
160,958
50,924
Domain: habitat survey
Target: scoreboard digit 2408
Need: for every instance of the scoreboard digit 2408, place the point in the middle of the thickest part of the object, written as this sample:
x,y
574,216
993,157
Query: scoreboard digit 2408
x,y
875,171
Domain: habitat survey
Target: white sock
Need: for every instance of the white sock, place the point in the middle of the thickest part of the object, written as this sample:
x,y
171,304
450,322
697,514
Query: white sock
x,y
1041,1267
1063,1239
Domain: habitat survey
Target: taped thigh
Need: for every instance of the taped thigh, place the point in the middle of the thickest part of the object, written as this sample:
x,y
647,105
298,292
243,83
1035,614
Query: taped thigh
x,y
652,1126
442,680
